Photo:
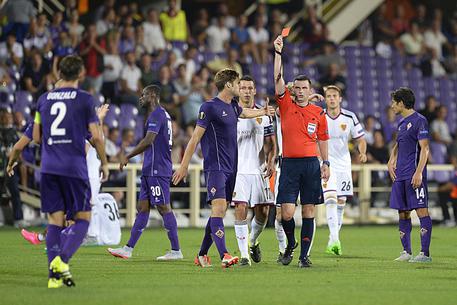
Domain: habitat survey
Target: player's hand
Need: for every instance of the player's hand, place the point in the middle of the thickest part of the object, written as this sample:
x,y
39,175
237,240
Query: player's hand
x,y
10,169
180,174
105,173
316,97
270,111
102,111
123,162
270,170
362,158
325,172
391,167
278,44
416,181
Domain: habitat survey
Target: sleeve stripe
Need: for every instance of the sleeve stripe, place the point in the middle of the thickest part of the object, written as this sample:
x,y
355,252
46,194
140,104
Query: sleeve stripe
x,y
358,136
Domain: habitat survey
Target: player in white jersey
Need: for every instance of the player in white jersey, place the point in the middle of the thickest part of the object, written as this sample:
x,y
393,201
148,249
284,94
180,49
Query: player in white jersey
x,y
255,165
342,126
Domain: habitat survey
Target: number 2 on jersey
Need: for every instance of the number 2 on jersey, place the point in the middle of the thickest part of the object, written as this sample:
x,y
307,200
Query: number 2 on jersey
x,y
59,109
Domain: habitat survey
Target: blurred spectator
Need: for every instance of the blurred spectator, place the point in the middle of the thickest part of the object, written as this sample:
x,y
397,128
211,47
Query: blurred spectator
x,y
168,97
218,36
333,77
36,75
5,79
189,59
439,128
435,39
140,46
62,47
377,151
389,125
127,43
199,27
148,76
400,24
153,36
382,29
194,100
245,59
35,40
135,14
413,41
231,62
451,61
11,51
262,12
111,147
370,127
92,50
384,48
106,6
329,56
20,13
112,71
421,17
451,35
240,34
174,23
128,144
314,28
179,142
181,85
107,22
75,28
429,112
259,38
56,26
130,81
229,20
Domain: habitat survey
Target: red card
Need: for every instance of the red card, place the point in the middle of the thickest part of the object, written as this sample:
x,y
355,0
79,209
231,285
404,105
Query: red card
x,y
285,32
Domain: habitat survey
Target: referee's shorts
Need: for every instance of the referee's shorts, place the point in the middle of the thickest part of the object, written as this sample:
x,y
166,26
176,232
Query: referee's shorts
x,y
300,176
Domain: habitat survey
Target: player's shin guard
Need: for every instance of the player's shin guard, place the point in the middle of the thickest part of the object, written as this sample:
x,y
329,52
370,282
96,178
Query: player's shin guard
x,y
207,240
75,239
289,229
332,220
307,233
280,236
53,243
218,235
64,235
405,228
242,232
169,222
141,221
426,234
256,229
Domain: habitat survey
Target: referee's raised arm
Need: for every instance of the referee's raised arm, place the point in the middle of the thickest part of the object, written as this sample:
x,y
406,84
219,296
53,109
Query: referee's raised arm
x,y
279,80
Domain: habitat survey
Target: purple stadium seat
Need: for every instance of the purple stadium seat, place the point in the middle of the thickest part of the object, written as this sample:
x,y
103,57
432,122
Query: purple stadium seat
x,y
24,97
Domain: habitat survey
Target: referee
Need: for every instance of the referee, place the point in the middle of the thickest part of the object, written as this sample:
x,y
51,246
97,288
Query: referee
x,y
304,134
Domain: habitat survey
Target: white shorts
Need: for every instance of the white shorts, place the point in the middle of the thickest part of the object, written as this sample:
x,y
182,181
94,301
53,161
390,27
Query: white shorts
x,y
339,182
95,185
253,189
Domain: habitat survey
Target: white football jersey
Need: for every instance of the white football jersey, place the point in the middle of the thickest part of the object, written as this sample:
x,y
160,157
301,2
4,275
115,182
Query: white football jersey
x,y
93,163
278,133
251,135
341,129
104,227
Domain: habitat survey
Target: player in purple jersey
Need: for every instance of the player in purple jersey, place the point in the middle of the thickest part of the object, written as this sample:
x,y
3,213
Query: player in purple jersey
x,y
156,176
63,118
407,168
217,130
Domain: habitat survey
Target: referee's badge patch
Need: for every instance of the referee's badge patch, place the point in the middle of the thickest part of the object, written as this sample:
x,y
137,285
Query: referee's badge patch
x,y
201,115
343,127
311,128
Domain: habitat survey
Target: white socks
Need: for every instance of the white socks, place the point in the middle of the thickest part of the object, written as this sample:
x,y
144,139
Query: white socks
x,y
256,229
340,212
280,236
332,221
242,232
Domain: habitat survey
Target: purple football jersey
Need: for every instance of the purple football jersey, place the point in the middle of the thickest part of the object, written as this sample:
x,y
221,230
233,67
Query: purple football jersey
x,y
157,157
65,116
219,143
28,132
410,130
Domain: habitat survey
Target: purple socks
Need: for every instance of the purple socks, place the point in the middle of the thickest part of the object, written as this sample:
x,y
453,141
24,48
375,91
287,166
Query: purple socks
x,y
141,222
75,237
405,234
169,222
426,234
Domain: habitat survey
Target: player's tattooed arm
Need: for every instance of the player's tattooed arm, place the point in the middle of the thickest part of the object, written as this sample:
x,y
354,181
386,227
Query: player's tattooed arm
x,y
280,87
362,147
249,113
416,181
392,164
138,149
181,172
100,148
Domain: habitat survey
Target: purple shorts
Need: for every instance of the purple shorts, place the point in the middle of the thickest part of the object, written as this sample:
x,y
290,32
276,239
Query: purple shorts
x,y
61,193
404,198
156,190
220,185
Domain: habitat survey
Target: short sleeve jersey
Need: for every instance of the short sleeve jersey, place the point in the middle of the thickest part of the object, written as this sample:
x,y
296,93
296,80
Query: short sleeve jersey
x,y
301,127
341,129
157,157
219,142
411,130
65,115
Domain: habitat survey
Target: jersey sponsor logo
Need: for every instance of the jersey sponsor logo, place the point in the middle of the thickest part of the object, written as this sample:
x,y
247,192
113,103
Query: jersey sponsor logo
x,y
201,115
224,113
63,141
343,127
409,126
311,128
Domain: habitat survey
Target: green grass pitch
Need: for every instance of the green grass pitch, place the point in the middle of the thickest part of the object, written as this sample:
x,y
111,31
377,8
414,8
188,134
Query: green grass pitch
x,y
365,274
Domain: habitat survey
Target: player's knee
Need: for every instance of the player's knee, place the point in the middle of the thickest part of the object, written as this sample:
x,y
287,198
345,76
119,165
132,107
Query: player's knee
x,y
404,215
144,206
307,211
342,201
83,215
163,209
330,197
240,211
423,212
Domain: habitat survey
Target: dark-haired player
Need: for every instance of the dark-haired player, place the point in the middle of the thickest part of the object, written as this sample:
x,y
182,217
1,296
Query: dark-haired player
x,y
407,168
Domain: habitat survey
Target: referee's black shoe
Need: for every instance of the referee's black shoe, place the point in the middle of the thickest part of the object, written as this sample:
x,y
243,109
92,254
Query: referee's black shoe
x,y
304,262
255,252
288,254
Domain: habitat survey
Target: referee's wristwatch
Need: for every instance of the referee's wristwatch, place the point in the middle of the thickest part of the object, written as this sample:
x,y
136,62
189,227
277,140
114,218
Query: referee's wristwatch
x,y
326,162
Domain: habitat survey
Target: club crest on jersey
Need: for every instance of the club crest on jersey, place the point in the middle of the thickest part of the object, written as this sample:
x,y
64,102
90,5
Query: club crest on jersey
x,y
343,127
219,233
409,126
213,191
201,115
311,128
259,120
